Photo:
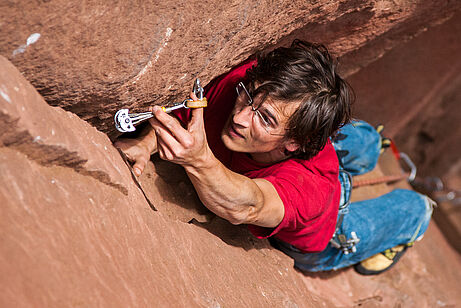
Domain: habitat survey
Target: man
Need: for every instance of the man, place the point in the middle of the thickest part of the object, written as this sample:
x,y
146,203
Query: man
x,y
261,154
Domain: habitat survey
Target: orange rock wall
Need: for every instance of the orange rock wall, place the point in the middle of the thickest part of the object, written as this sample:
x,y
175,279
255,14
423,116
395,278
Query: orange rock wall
x,y
77,231
94,57
415,90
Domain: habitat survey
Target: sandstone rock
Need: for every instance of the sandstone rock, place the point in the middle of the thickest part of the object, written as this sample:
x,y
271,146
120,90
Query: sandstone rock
x,y
29,125
421,77
75,228
168,186
415,91
70,239
77,231
94,58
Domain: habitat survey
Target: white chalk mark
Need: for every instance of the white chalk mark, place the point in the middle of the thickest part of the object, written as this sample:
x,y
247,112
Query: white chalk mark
x,y
183,76
19,193
154,59
20,49
5,96
37,138
32,39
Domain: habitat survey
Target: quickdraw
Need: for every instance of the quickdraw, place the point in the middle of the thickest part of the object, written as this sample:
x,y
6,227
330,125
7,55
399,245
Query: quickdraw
x,y
400,156
126,122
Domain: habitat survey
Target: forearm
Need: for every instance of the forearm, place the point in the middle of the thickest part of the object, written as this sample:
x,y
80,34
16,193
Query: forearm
x,y
229,195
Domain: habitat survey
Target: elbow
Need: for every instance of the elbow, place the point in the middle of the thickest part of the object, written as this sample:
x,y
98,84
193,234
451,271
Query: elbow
x,y
235,218
241,217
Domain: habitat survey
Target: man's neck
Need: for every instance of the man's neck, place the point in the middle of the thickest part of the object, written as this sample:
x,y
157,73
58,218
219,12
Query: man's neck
x,y
269,157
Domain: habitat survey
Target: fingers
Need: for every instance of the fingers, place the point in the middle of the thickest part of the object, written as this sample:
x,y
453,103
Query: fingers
x,y
139,166
165,125
196,122
125,145
175,143
193,96
167,137
134,152
165,152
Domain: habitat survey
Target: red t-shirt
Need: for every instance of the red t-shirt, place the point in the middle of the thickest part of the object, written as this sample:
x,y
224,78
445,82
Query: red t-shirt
x,y
309,189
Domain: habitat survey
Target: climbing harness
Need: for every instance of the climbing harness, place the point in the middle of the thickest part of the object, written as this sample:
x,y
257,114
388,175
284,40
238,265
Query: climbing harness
x,y
340,240
347,243
126,122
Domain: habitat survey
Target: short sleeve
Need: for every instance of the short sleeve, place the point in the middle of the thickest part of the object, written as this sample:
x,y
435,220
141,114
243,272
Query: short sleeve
x,y
304,196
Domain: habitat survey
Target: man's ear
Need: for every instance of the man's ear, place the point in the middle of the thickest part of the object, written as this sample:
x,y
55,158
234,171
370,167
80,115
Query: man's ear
x,y
291,145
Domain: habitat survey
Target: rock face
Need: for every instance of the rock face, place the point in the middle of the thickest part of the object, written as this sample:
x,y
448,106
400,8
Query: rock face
x,y
92,58
422,77
76,230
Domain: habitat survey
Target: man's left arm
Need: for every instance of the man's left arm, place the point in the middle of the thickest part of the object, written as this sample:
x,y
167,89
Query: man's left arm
x,y
229,195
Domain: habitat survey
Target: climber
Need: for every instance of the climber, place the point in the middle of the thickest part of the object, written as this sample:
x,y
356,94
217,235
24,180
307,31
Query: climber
x,y
263,153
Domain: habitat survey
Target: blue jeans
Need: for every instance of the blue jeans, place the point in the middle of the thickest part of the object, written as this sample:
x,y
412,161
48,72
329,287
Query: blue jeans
x,y
398,217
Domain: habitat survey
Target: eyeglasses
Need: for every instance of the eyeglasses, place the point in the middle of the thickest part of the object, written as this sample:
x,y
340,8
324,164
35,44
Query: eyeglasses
x,y
265,120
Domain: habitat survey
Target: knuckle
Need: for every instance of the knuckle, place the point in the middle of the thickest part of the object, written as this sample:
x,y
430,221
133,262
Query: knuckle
x,y
180,153
169,156
189,142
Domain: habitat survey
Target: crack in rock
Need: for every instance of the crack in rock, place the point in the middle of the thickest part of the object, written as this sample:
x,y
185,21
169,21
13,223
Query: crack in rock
x,y
48,155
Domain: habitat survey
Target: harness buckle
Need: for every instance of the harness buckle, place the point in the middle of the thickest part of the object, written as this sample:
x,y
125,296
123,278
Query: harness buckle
x,y
347,246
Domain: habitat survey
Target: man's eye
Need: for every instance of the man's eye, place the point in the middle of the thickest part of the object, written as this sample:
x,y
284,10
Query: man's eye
x,y
266,119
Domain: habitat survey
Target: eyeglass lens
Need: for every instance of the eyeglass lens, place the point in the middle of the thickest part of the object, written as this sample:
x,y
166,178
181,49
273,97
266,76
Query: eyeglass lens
x,y
246,98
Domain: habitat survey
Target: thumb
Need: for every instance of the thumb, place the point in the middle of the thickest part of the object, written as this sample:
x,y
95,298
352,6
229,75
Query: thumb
x,y
139,166
196,122
193,96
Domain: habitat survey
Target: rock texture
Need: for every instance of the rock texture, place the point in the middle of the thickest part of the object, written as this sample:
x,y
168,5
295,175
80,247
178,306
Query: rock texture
x,y
94,57
423,78
77,231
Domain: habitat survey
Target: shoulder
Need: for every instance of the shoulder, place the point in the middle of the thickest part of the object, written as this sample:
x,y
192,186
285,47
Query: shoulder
x,y
325,164
306,185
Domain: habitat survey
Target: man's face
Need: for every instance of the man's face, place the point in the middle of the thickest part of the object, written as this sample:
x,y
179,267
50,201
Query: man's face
x,y
258,131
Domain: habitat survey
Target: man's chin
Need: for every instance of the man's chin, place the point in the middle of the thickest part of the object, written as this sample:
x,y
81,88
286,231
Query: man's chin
x,y
229,143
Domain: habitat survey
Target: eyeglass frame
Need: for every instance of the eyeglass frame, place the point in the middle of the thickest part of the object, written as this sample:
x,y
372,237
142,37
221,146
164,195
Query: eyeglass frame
x,y
266,125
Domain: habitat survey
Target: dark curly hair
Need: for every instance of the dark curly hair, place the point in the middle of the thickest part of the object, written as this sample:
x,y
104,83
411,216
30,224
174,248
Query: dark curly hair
x,y
306,73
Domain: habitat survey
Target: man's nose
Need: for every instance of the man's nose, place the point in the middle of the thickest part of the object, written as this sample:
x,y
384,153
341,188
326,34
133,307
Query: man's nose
x,y
243,116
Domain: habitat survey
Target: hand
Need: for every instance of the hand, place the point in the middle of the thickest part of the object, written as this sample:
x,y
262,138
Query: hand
x,y
137,151
187,147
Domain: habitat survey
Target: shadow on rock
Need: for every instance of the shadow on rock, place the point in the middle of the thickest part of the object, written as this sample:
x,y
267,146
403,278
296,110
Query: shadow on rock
x,y
234,235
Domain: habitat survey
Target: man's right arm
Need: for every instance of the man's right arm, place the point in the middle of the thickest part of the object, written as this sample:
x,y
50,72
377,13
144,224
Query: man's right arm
x,y
138,150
